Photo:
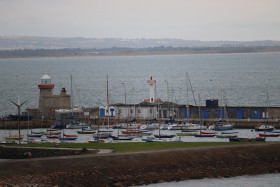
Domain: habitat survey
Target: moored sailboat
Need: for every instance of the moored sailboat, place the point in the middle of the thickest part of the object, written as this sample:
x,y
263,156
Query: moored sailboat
x,y
265,126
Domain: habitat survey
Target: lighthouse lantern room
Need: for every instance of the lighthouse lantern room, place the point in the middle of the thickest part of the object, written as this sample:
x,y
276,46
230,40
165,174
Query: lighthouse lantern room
x,y
46,82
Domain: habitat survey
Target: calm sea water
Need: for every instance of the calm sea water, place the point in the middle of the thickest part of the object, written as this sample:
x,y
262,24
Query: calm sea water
x,y
244,77
269,180
82,138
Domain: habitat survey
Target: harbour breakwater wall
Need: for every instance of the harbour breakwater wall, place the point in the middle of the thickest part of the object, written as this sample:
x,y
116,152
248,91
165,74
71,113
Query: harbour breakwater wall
x,y
137,168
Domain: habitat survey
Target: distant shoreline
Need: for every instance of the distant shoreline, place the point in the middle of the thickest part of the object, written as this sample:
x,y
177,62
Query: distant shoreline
x,y
136,54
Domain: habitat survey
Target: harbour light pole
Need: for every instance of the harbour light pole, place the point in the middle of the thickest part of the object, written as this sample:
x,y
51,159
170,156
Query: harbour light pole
x,y
18,106
168,113
124,93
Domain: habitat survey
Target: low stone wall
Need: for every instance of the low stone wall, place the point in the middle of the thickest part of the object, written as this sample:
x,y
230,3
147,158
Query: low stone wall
x,y
7,152
143,167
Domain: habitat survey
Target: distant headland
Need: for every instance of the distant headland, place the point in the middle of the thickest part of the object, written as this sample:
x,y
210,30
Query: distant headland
x,y
25,46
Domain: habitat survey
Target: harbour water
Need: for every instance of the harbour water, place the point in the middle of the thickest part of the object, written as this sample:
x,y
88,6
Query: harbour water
x,y
244,77
267,180
83,138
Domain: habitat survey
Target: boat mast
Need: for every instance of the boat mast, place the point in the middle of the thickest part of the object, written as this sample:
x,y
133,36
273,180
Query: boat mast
x,y
172,103
225,111
199,110
187,81
27,125
5,130
108,107
71,94
134,106
168,112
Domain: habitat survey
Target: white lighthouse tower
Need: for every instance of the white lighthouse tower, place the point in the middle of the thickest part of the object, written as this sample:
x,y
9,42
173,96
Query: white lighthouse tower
x,y
152,84
46,89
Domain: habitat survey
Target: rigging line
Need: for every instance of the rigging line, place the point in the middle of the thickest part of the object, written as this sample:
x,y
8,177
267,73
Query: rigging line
x,y
192,91
77,94
227,115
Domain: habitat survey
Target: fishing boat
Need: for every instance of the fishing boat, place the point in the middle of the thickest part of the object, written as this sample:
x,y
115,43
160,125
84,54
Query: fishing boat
x,y
221,126
264,127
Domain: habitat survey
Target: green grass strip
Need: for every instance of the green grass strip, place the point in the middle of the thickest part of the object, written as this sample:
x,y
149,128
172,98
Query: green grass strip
x,y
136,146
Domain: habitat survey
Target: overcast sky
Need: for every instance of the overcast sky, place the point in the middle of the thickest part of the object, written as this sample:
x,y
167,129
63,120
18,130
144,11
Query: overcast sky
x,y
206,20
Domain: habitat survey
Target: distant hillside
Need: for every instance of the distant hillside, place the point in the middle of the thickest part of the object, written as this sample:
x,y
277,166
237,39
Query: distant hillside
x,y
118,51
23,42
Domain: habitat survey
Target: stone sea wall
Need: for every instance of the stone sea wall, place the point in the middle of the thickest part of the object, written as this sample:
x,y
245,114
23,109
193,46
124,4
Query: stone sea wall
x,y
126,169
